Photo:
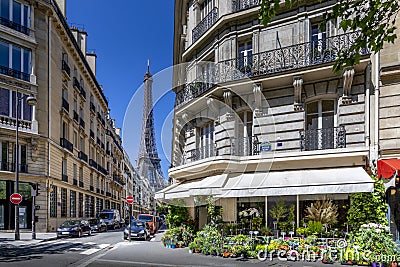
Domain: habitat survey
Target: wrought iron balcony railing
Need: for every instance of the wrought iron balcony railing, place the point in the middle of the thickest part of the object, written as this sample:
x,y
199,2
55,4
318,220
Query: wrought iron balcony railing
x,y
91,188
101,169
75,182
238,5
15,26
15,73
76,116
66,144
119,180
205,24
10,167
245,146
93,163
108,194
65,104
269,62
66,68
326,138
65,178
81,184
200,153
82,156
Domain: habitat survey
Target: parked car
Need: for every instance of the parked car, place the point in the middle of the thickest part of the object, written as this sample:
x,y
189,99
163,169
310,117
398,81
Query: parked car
x,y
158,222
111,217
98,225
139,229
151,220
75,228
127,220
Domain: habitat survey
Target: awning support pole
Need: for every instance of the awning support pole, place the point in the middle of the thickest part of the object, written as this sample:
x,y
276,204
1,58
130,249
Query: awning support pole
x,y
298,210
266,211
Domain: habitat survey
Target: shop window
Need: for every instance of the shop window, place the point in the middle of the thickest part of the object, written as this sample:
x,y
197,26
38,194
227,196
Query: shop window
x,y
53,201
63,202
72,201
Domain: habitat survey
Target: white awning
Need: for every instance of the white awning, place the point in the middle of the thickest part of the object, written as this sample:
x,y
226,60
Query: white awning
x,y
299,182
160,194
208,186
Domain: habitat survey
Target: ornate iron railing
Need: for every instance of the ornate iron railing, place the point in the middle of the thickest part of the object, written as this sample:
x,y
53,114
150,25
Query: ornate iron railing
x,y
93,163
65,178
82,156
15,26
66,144
199,153
326,138
245,146
10,167
205,24
238,5
15,73
269,62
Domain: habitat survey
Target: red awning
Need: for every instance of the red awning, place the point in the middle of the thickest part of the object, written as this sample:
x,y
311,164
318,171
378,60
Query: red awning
x,y
387,168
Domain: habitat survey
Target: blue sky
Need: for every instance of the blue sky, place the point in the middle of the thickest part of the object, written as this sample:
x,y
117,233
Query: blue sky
x,y
124,35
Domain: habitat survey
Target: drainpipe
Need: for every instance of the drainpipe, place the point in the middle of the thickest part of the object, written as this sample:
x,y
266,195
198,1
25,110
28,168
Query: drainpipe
x,y
376,78
368,109
49,115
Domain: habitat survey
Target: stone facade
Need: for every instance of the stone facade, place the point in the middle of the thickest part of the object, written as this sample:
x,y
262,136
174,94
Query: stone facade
x,y
69,143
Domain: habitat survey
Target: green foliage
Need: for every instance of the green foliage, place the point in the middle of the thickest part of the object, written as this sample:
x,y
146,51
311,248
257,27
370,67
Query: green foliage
x,y
279,211
214,213
323,211
314,227
368,207
177,215
374,19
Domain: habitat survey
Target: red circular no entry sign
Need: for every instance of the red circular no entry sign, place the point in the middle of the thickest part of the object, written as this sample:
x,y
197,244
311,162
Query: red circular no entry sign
x,y
15,198
129,199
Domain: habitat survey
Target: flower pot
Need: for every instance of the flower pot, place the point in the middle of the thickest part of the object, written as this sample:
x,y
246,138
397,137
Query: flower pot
x,y
173,246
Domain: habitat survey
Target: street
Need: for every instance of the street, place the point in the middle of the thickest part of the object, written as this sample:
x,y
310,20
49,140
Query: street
x,y
109,249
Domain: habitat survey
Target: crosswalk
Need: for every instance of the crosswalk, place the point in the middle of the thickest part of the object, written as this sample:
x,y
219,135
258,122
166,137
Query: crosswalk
x,y
66,246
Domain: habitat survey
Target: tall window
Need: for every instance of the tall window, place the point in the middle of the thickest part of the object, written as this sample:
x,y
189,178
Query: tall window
x,y
65,130
206,8
75,172
53,202
22,158
80,174
4,156
63,202
15,12
75,104
64,166
16,58
320,123
245,53
87,206
8,102
72,202
91,179
206,140
318,37
244,134
80,208
75,139
82,144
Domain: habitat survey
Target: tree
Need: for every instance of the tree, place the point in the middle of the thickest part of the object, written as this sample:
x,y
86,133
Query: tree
x,y
374,19
279,211
368,207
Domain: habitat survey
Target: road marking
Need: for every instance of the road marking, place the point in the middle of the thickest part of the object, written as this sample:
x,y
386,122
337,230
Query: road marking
x,y
134,263
90,243
89,251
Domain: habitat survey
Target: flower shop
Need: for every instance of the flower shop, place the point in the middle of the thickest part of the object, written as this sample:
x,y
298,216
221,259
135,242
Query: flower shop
x,y
351,229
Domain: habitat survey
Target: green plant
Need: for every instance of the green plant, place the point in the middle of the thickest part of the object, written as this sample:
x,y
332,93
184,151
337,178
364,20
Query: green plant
x,y
368,207
323,211
265,230
279,211
214,213
256,223
177,214
314,227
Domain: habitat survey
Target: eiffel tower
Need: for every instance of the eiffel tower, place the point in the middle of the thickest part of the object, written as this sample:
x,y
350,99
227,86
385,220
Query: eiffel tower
x,y
148,162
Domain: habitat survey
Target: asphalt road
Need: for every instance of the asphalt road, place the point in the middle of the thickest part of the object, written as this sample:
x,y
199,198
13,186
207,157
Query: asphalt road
x,y
109,249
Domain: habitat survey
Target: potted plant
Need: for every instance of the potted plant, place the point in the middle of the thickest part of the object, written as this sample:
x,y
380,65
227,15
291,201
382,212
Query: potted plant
x,y
266,230
192,247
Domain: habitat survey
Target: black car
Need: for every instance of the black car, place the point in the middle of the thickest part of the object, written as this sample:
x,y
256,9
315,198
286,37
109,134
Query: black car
x,y
98,225
139,229
74,228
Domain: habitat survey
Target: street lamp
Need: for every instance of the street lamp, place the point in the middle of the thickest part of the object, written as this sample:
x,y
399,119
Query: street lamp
x,y
32,101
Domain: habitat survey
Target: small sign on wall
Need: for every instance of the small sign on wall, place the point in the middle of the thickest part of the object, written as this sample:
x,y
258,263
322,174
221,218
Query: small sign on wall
x,y
265,146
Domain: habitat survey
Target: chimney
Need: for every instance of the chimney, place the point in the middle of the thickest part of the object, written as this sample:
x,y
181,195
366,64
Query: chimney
x,y
118,131
80,37
91,59
61,5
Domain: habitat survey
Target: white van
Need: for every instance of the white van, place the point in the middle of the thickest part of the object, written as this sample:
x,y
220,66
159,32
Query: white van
x,y
111,218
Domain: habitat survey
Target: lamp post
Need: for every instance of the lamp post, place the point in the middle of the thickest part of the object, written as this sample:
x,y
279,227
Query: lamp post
x,y
32,101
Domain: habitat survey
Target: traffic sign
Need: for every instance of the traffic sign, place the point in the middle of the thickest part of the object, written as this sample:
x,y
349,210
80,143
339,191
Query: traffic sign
x,y
129,199
15,198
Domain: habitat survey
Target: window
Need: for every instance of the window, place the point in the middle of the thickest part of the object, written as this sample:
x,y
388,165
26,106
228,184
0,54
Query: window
x,y
75,104
91,179
318,41
244,134
75,139
63,202
80,209
64,166
320,123
91,207
80,174
75,172
17,13
87,206
65,130
65,94
99,205
72,201
97,183
4,156
82,144
16,58
206,140
8,102
206,8
245,52
22,158
53,201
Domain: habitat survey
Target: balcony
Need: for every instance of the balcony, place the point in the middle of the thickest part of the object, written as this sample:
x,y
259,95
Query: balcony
x,y
91,188
326,138
83,92
66,68
97,190
65,178
82,156
23,125
76,84
92,107
65,104
119,180
82,123
102,192
81,184
15,26
91,134
288,58
75,182
205,24
100,118
101,169
66,144
15,73
10,167
76,116
108,194
200,153
93,163
245,146
238,5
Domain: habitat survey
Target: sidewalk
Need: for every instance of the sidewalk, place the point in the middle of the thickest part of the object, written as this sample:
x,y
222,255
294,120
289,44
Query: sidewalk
x,y
8,238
